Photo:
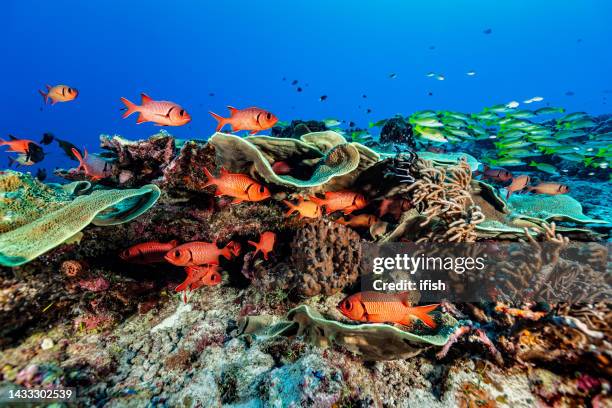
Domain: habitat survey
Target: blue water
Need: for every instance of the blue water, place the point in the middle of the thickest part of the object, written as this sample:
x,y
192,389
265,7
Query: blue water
x,y
240,51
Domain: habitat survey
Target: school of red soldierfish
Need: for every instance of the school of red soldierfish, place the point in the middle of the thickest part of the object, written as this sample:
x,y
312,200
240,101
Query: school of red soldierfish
x,y
201,259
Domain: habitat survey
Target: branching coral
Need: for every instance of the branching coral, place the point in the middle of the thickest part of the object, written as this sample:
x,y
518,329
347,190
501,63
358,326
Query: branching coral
x,y
443,196
538,271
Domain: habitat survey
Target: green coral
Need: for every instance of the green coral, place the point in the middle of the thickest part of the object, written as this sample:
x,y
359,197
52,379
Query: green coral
x,y
327,153
37,218
371,341
550,208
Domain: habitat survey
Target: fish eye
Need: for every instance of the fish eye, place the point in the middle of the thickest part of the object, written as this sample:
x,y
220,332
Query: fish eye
x,y
347,305
213,278
268,116
262,189
177,253
69,90
182,112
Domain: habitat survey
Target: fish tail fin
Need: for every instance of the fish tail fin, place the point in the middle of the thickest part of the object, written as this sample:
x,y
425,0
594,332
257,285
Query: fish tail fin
x,y
77,154
226,252
11,161
185,285
131,107
221,121
256,245
291,209
211,179
422,313
174,243
3,142
44,95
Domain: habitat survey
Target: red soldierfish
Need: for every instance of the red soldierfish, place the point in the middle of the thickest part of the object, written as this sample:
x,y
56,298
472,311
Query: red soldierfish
x,y
305,209
237,185
30,152
198,276
498,174
59,93
265,244
253,119
94,167
200,253
395,207
147,252
359,221
162,113
550,188
346,201
379,307
518,183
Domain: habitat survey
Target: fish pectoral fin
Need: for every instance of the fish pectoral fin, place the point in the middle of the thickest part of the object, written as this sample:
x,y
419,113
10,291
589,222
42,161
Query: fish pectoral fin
x,y
237,201
253,132
140,119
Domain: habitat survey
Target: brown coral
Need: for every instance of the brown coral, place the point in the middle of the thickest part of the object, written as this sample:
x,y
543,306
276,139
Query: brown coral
x,y
186,172
324,258
328,255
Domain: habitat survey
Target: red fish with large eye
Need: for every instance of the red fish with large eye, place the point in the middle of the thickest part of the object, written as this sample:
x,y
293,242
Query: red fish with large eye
x,y
549,188
200,253
93,166
265,244
518,183
346,201
147,252
198,276
162,113
252,119
237,185
59,93
498,174
379,307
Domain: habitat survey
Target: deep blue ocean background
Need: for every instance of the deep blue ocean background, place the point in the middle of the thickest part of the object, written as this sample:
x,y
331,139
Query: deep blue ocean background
x,y
240,51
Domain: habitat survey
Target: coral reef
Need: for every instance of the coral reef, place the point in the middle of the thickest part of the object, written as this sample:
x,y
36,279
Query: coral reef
x,y
63,218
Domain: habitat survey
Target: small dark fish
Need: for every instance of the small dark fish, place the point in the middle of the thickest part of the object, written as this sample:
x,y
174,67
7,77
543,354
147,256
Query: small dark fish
x,y
35,153
488,31
351,124
294,82
364,96
392,75
430,93
570,93
299,89
322,98
579,40
211,94
47,138
432,47
67,148
41,174
369,110
284,78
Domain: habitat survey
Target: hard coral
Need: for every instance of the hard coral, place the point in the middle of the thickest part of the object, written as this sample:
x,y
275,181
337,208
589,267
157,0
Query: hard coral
x,y
71,268
139,162
185,172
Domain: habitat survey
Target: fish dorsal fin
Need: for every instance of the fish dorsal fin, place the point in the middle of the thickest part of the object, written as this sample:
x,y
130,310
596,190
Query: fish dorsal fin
x,y
145,99
223,172
232,110
12,137
405,298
